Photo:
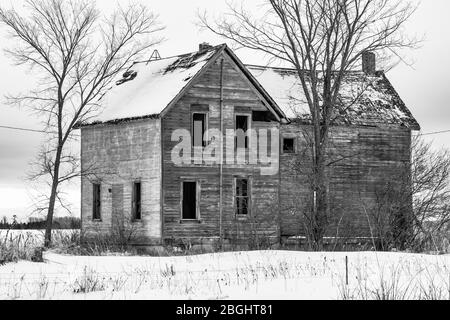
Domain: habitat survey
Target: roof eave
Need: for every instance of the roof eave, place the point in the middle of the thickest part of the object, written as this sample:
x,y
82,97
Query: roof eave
x,y
116,121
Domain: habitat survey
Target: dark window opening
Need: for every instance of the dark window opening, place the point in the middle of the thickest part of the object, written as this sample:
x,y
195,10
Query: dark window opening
x,y
262,116
136,205
242,126
96,214
288,145
199,128
189,201
242,197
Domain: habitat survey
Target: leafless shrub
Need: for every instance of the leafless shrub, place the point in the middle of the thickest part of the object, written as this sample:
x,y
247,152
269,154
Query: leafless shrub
x,y
90,281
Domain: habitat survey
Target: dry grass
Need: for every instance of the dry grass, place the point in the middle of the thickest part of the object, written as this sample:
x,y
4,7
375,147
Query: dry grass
x,y
18,245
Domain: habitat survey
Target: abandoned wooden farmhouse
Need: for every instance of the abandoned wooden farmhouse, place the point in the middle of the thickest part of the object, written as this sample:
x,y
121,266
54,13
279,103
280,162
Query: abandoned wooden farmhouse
x,y
133,183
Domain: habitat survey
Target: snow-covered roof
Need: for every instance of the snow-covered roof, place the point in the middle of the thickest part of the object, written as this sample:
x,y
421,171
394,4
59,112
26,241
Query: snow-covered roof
x,y
147,88
364,99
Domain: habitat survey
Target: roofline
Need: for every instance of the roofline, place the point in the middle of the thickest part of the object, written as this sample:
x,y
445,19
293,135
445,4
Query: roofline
x,y
414,125
116,121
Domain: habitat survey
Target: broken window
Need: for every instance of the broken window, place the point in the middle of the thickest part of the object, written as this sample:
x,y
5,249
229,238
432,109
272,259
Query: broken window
x,y
199,129
288,145
189,201
242,197
136,205
242,127
96,213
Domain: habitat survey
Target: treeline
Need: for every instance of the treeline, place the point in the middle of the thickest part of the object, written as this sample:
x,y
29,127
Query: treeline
x,y
58,223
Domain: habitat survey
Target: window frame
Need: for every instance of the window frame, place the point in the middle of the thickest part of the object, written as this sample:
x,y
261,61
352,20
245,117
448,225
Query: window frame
x,y
205,137
96,209
249,128
197,200
249,196
134,212
294,144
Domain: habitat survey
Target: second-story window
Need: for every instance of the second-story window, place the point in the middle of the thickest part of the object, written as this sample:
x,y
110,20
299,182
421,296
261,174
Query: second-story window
x,y
242,127
199,129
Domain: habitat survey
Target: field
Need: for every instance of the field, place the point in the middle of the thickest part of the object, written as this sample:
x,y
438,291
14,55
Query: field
x,y
233,275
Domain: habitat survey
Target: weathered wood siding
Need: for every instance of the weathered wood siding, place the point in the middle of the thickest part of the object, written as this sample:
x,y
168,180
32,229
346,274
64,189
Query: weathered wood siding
x,y
238,95
141,150
366,157
117,155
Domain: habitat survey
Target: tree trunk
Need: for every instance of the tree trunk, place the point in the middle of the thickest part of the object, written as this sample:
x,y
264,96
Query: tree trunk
x,y
51,205
320,219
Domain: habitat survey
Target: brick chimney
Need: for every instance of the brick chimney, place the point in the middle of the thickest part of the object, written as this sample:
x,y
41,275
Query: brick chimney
x,y
369,63
204,46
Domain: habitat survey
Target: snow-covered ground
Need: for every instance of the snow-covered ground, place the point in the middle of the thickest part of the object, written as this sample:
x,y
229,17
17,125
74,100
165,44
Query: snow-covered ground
x,y
237,275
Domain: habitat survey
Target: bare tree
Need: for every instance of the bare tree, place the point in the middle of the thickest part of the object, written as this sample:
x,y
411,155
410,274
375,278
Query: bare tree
x,y
76,54
430,191
322,40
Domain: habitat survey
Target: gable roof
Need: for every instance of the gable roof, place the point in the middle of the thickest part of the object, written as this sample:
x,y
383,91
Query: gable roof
x,y
149,88
366,100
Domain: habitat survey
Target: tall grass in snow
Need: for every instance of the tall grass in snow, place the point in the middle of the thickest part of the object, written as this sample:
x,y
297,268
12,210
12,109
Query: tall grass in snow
x,y
18,245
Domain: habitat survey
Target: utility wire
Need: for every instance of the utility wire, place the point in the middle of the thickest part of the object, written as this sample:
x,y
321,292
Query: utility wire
x,y
40,131
21,129
433,133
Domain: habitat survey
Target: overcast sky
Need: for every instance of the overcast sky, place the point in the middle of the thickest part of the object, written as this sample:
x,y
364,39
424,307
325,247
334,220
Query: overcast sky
x,y
425,87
